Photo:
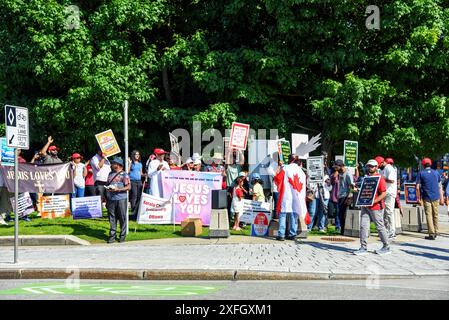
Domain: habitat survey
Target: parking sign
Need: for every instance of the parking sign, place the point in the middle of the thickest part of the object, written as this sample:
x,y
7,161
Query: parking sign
x,y
17,128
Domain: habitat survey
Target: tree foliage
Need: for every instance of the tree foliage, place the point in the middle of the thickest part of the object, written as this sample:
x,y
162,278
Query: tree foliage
x,y
295,65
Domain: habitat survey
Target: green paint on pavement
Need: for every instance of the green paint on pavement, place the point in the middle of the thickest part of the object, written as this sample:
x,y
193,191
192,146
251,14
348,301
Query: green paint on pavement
x,y
74,288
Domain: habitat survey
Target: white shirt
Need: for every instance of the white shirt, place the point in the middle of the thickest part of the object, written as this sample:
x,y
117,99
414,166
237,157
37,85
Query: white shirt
x,y
155,176
389,173
100,174
79,179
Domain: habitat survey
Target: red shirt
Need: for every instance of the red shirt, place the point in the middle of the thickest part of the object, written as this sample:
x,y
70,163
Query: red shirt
x,y
239,192
90,176
380,189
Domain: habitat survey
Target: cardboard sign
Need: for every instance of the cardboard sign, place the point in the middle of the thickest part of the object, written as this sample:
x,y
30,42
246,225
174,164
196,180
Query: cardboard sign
x,y
107,143
411,193
6,153
284,150
51,207
87,207
315,169
368,191
154,210
252,208
350,154
25,204
259,227
239,136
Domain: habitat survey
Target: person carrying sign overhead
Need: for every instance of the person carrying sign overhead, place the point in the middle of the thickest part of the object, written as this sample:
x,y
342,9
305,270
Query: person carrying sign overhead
x,y
374,213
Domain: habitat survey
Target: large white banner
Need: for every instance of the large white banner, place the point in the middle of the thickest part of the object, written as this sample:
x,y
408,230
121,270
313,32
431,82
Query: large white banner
x,y
154,210
252,208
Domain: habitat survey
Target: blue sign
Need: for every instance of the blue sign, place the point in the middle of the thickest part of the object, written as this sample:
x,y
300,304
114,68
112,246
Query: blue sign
x,y
87,207
6,153
368,191
411,193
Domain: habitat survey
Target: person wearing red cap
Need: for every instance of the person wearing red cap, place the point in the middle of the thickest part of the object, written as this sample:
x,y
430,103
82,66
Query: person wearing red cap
x,y
79,173
155,167
391,177
52,156
429,187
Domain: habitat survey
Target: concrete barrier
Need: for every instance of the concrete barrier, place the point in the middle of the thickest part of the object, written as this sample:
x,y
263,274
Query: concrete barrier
x,y
414,219
398,221
352,223
219,224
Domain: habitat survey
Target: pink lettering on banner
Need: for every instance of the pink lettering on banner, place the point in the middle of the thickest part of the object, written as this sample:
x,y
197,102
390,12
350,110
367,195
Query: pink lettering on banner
x,y
192,192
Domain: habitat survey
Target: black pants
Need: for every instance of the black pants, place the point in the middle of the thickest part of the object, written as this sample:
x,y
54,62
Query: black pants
x,y
100,190
342,208
89,191
134,196
117,211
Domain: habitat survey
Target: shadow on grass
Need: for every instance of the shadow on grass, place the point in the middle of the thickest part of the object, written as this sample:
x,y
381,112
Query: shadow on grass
x,y
79,230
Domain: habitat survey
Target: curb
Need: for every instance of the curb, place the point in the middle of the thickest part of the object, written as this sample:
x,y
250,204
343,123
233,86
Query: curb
x,y
44,240
204,275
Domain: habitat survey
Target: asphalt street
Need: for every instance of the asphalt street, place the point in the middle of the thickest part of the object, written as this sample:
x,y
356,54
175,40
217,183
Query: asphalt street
x,y
428,288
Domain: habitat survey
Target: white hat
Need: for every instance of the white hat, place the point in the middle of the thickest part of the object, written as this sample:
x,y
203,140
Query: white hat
x,y
372,163
218,156
242,174
189,160
326,177
197,161
196,156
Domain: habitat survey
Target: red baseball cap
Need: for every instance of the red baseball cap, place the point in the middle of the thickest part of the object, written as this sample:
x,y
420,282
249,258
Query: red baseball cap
x,y
51,148
426,161
379,160
76,156
159,151
389,160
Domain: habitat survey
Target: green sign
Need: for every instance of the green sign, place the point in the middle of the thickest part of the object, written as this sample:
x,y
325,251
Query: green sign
x,y
44,289
284,150
350,153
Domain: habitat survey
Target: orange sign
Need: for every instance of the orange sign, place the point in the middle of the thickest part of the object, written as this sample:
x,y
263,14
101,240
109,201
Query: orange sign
x,y
107,143
51,207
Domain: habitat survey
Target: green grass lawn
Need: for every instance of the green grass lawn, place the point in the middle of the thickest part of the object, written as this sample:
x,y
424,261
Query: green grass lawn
x,y
97,230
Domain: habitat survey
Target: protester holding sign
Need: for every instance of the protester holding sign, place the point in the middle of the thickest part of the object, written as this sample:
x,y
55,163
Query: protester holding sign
x,y
79,173
135,170
118,184
233,169
101,168
430,190
52,156
374,213
154,170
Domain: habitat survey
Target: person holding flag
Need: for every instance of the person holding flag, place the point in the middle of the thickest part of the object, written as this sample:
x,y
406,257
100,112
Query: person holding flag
x,y
291,183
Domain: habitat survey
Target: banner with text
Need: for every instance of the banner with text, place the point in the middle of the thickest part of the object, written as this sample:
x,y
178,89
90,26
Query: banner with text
x,y
315,169
192,193
252,208
368,191
107,142
154,210
284,150
25,204
87,207
52,178
350,154
51,207
6,153
239,136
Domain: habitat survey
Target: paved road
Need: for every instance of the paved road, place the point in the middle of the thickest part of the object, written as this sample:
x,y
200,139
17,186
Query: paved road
x,y
426,289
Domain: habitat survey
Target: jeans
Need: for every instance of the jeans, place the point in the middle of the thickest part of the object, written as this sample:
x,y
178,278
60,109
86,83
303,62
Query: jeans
x,y
293,218
377,217
79,192
275,200
311,207
333,206
321,217
342,208
134,196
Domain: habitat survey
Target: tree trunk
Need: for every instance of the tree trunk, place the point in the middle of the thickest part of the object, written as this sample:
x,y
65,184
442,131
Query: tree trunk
x,y
166,84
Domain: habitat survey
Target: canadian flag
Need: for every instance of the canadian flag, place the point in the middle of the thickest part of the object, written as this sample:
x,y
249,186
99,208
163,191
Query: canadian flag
x,y
291,183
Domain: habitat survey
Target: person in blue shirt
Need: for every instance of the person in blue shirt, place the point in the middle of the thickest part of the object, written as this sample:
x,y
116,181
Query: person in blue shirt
x,y
429,186
135,174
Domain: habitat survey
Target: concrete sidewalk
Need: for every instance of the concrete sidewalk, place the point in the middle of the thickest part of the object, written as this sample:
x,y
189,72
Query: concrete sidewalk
x,y
272,260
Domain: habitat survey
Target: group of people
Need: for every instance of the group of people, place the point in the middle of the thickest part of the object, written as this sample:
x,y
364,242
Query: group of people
x,y
294,198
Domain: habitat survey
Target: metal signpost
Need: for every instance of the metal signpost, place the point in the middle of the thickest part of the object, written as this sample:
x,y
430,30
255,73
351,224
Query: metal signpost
x,y
125,111
17,136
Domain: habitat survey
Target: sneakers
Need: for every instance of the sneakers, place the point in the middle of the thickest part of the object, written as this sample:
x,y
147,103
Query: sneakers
x,y
430,238
291,238
385,250
361,252
278,238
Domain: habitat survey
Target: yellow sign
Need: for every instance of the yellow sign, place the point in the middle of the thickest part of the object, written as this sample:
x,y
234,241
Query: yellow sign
x,y
107,143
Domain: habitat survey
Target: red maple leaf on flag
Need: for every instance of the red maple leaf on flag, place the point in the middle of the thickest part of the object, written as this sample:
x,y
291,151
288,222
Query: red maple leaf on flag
x,y
296,184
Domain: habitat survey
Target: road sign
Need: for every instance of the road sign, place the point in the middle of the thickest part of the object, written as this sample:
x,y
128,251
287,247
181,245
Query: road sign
x,y
17,127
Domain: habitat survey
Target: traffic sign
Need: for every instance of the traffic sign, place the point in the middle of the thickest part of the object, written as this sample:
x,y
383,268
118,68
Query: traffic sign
x,y
17,127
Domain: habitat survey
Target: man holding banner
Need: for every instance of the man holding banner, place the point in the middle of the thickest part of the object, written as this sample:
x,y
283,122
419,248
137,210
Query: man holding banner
x,y
374,212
